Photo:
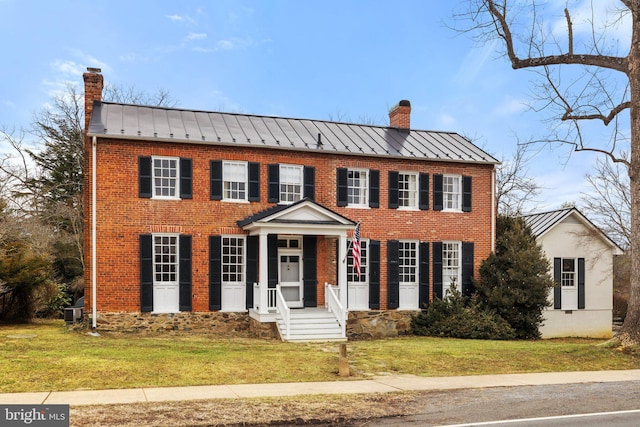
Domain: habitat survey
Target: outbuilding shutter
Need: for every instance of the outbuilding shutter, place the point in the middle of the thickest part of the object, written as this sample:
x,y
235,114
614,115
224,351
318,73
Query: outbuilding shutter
x,y
215,167
393,273
423,197
309,182
423,290
185,273
437,269
393,189
272,266
467,269
374,274
254,182
581,295
466,194
438,200
342,186
374,189
310,276
215,273
251,265
557,289
145,189
186,178
146,273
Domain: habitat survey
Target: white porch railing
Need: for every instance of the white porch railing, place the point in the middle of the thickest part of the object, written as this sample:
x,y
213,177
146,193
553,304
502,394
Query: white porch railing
x,y
271,298
284,310
332,302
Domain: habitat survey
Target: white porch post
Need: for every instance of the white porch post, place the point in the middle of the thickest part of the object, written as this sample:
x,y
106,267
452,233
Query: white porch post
x,y
342,269
263,278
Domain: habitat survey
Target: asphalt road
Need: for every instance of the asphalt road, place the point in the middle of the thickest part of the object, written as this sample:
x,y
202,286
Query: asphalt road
x,y
485,406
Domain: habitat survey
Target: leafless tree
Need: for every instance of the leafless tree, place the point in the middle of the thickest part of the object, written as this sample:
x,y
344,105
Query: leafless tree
x,y
608,204
515,189
584,81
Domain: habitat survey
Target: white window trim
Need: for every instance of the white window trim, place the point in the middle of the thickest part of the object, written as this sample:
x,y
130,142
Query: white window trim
x,y
459,195
365,189
445,286
225,164
301,183
417,262
416,195
153,243
153,178
365,264
244,258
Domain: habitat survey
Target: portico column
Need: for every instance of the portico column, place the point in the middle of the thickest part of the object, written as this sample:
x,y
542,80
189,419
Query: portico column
x,y
263,278
342,269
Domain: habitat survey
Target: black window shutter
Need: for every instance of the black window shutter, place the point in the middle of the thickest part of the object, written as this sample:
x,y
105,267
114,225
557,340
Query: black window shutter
x,y
272,266
310,182
374,274
146,273
438,201
393,271
310,270
557,289
251,267
467,269
393,189
437,269
186,178
341,179
185,273
144,177
216,179
254,182
374,189
423,290
423,198
581,272
273,183
215,273
466,194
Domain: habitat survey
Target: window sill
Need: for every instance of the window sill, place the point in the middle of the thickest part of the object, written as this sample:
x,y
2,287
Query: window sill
x,y
358,207
452,210
165,198
410,209
234,201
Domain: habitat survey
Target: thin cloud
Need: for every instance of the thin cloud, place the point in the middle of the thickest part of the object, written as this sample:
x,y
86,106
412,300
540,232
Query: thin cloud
x,y
196,36
69,68
175,18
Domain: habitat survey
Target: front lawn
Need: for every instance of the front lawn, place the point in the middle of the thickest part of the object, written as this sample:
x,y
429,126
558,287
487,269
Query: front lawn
x,y
57,359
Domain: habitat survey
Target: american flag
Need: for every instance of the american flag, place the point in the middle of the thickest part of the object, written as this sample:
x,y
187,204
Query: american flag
x,y
355,250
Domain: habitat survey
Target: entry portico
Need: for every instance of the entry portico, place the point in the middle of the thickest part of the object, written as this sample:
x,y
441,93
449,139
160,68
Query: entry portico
x,y
287,254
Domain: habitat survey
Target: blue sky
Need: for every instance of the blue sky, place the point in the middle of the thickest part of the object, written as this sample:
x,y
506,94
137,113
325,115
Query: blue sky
x,y
322,59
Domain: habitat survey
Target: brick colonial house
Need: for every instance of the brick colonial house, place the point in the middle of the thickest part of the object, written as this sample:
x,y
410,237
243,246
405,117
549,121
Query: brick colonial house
x,y
230,222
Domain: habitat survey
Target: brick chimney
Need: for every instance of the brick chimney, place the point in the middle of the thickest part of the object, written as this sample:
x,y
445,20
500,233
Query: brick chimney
x,y
400,115
93,84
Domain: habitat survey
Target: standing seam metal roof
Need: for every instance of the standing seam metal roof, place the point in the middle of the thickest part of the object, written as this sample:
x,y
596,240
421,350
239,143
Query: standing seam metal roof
x,y
162,124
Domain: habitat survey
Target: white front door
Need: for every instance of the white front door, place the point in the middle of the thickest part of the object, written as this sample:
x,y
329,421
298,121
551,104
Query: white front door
x,y
166,290
290,274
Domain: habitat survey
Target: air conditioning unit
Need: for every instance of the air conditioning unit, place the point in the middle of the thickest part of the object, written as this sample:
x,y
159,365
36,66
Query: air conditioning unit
x,y
73,315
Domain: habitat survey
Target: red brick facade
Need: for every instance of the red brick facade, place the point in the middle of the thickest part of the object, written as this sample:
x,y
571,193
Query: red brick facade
x,y
122,216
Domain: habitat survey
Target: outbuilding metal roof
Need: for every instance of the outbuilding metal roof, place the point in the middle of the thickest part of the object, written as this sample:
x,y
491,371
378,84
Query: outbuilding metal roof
x,y
136,122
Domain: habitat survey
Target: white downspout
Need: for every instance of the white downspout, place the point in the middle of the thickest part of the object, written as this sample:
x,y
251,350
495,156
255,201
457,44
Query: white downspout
x,y
493,209
94,311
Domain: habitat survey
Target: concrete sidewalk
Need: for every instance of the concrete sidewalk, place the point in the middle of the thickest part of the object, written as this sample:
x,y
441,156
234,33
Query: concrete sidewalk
x,y
382,384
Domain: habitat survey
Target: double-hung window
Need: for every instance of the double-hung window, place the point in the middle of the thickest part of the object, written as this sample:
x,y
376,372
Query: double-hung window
x,y
568,278
291,183
165,253
451,265
358,187
234,180
408,190
451,192
408,261
352,275
166,173
233,259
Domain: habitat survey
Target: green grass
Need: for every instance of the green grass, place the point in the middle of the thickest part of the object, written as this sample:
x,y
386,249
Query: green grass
x,y
57,359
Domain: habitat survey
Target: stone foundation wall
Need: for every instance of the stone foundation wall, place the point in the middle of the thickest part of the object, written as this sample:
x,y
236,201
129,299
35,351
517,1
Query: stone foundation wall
x,y
378,324
223,324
